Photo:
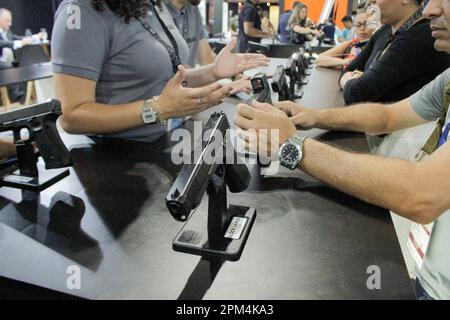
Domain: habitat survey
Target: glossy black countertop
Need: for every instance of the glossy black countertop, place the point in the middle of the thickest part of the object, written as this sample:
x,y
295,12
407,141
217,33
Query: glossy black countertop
x,y
109,218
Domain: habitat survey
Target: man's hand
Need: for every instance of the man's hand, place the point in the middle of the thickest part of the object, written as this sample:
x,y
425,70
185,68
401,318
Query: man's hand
x,y
300,116
350,75
264,128
229,64
26,41
242,85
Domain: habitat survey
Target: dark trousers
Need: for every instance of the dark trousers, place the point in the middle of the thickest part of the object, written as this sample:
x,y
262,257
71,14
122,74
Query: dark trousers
x,y
17,92
421,294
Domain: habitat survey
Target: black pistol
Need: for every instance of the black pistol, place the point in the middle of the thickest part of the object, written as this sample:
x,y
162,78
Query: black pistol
x,y
40,121
222,231
261,89
295,77
193,180
280,86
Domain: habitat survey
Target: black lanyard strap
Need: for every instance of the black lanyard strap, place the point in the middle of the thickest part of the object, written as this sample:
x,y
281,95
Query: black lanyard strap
x,y
171,50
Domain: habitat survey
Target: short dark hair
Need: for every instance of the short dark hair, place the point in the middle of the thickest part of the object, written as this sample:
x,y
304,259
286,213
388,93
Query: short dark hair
x,y
347,19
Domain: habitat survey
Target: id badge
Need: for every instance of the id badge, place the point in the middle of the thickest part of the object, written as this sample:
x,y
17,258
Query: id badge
x,y
418,241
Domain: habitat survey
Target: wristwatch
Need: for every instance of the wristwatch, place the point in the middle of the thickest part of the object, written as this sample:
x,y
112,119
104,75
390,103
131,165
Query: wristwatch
x,y
291,152
150,112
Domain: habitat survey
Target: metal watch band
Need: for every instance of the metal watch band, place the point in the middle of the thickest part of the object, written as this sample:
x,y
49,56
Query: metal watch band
x,y
152,105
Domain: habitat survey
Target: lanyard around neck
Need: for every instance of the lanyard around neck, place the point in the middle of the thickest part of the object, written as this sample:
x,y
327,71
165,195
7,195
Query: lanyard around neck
x,y
171,50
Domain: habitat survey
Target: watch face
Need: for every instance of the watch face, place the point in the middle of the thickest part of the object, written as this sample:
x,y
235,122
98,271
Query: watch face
x,y
148,116
290,153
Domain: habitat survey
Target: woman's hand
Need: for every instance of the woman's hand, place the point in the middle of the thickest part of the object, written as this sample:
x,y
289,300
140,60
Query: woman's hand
x,y
301,117
229,64
178,101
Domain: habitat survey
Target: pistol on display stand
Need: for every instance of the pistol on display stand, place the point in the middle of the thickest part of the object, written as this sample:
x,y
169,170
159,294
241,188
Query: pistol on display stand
x,y
261,89
222,232
295,79
280,86
263,94
40,121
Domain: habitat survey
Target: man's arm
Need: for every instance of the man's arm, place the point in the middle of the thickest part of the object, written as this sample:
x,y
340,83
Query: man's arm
x,y
7,149
251,31
205,54
6,44
417,191
369,118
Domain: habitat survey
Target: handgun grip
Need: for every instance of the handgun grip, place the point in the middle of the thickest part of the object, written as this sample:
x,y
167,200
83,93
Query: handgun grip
x,y
237,177
50,144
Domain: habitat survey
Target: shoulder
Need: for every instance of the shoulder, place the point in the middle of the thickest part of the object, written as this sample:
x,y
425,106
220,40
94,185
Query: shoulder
x,y
382,32
86,12
419,32
193,11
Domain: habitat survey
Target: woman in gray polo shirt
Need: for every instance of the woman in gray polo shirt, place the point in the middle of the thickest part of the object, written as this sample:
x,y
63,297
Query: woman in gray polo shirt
x,y
114,64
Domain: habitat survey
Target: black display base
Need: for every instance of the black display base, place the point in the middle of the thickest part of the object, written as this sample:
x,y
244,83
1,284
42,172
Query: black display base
x,y
194,237
45,179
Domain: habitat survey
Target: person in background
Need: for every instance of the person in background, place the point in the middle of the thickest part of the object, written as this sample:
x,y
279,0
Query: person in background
x,y
267,26
341,55
398,60
348,33
8,43
417,191
299,26
283,24
250,26
234,25
330,32
188,20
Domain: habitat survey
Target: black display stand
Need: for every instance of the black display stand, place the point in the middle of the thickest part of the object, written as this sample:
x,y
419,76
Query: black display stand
x,y
220,233
28,174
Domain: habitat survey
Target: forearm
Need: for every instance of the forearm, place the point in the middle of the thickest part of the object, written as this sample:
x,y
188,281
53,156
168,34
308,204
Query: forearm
x,y
389,183
206,58
7,149
329,61
201,76
255,33
336,51
302,30
96,118
370,118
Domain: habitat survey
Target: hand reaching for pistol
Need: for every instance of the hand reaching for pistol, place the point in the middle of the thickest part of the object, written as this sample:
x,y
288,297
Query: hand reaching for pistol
x,y
301,117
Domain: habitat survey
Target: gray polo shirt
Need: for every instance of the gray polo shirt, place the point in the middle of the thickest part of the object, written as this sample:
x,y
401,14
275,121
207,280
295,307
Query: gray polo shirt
x,y
125,60
189,22
434,275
